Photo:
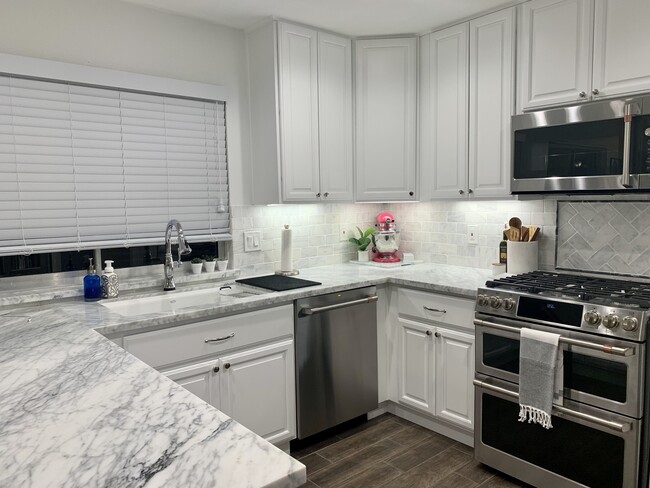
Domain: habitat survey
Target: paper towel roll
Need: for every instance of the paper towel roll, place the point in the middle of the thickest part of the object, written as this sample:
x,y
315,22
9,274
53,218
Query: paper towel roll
x,y
286,259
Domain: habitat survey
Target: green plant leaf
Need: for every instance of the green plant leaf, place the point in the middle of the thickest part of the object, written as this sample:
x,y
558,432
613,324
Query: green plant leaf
x,y
369,232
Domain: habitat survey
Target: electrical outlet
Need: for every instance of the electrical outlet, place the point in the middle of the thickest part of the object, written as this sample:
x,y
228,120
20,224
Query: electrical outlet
x,y
252,241
472,234
344,233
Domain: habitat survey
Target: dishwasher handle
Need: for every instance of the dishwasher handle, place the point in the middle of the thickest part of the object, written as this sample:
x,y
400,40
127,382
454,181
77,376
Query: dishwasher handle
x,y
327,308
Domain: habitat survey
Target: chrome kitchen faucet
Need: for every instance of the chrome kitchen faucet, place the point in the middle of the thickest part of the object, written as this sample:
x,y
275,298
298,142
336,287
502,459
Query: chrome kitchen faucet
x,y
183,249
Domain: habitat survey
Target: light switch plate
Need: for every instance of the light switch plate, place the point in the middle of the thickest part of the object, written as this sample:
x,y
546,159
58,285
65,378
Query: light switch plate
x,y
252,241
472,234
344,232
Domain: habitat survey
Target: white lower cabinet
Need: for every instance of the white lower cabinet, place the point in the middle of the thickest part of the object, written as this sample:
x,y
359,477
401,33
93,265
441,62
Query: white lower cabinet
x,y
454,376
416,381
435,356
241,364
258,390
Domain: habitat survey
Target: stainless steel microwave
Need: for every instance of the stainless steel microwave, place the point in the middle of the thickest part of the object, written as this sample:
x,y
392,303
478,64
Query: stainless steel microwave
x,y
595,147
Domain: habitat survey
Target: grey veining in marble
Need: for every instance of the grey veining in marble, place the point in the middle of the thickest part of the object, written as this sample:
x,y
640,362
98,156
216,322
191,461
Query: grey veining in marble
x,y
78,411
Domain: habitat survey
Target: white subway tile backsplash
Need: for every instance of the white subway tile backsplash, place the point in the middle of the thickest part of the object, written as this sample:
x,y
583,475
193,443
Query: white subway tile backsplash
x,y
433,231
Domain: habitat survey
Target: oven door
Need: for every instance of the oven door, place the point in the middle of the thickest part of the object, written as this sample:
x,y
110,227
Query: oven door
x,y
587,447
602,379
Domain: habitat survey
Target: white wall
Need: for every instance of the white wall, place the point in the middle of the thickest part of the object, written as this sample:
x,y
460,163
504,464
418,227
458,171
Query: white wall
x,y
116,35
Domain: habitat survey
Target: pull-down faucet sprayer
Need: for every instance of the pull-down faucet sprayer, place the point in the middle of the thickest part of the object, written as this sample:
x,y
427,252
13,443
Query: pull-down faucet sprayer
x,y
183,249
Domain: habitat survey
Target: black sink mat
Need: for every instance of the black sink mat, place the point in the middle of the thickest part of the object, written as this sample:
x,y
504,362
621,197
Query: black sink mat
x,y
277,282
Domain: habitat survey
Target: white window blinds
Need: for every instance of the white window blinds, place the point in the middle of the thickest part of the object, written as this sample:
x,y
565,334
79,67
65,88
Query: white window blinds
x,y
86,167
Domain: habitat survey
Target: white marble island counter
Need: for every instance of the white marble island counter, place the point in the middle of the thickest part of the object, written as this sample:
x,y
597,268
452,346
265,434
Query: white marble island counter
x,y
77,410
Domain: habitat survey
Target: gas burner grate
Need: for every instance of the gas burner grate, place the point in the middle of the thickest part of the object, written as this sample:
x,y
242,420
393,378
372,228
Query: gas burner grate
x,y
604,291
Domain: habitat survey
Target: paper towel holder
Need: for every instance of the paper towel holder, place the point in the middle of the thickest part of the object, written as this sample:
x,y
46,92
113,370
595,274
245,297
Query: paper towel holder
x,y
288,273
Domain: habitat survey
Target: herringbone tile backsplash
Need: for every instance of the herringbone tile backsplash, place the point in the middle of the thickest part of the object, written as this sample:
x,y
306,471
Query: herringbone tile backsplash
x,y
608,237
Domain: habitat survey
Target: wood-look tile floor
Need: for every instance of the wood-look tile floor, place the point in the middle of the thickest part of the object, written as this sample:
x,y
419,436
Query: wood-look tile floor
x,y
393,453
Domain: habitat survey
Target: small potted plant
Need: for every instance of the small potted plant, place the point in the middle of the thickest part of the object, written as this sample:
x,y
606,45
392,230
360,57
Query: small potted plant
x,y
363,242
222,264
197,265
209,263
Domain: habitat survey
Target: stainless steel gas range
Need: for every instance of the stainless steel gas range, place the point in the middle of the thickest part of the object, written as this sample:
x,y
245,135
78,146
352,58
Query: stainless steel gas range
x,y
599,437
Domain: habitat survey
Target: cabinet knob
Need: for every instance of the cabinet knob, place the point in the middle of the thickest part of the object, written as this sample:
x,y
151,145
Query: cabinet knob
x,y
470,191
595,92
326,194
318,195
226,366
462,192
215,369
582,94
411,193
438,334
429,332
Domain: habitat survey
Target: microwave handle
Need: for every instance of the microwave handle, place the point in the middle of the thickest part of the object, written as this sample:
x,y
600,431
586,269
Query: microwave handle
x,y
627,136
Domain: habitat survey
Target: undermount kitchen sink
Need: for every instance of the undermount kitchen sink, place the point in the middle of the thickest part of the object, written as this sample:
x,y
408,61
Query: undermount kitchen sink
x,y
175,301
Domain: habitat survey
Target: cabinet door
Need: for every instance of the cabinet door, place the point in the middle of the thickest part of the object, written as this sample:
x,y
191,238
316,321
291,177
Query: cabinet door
x,y
621,41
201,379
443,113
335,117
386,115
491,102
298,93
258,390
555,39
454,376
416,377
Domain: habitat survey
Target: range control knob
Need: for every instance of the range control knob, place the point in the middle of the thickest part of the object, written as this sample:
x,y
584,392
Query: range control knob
x,y
508,303
610,321
592,317
483,301
495,302
630,323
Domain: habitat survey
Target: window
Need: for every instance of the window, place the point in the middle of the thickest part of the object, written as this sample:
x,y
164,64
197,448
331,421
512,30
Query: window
x,y
85,167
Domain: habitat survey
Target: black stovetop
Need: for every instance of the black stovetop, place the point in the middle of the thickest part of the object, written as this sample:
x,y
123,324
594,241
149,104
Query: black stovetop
x,y
603,291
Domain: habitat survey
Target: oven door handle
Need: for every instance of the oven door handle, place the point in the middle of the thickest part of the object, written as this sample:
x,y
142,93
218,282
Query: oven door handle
x,y
557,409
607,348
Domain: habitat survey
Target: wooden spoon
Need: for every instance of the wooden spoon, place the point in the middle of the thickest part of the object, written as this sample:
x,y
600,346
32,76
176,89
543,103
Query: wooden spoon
x,y
515,223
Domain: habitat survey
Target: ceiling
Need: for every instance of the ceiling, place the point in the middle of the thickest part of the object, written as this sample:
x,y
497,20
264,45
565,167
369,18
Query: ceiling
x,y
350,17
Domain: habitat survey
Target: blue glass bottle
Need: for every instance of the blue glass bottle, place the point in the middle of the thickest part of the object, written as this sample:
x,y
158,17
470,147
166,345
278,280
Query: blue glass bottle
x,y
92,284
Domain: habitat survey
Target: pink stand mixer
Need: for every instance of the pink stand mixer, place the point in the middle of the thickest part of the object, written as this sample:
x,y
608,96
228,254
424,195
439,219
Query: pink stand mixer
x,y
386,239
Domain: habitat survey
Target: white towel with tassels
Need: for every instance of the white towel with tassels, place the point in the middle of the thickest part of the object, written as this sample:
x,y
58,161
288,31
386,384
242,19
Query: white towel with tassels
x,y
539,357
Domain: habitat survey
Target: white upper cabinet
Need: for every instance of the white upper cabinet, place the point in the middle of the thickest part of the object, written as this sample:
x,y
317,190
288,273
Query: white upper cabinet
x,y
581,50
335,117
621,42
491,103
298,95
555,38
301,114
466,101
386,71
444,86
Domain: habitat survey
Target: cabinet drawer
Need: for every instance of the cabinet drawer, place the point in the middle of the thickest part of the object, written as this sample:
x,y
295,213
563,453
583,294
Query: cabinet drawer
x,y
187,342
436,308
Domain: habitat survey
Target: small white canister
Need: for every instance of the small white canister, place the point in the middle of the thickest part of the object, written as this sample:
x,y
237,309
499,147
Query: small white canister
x,y
522,256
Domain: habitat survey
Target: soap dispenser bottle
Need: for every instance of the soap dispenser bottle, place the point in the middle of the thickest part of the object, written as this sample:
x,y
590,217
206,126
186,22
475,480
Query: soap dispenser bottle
x,y
110,283
92,284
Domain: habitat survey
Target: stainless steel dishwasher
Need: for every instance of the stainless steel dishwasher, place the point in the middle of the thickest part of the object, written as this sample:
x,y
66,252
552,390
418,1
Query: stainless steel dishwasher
x,y
336,358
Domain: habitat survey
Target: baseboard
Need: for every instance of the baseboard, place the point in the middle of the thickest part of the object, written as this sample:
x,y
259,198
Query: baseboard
x,y
456,433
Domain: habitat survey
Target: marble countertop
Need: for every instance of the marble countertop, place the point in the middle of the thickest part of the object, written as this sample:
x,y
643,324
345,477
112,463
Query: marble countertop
x,y
77,410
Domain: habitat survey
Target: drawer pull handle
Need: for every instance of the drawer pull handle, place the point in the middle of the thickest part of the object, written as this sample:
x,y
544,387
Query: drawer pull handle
x,y
439,310
219,339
